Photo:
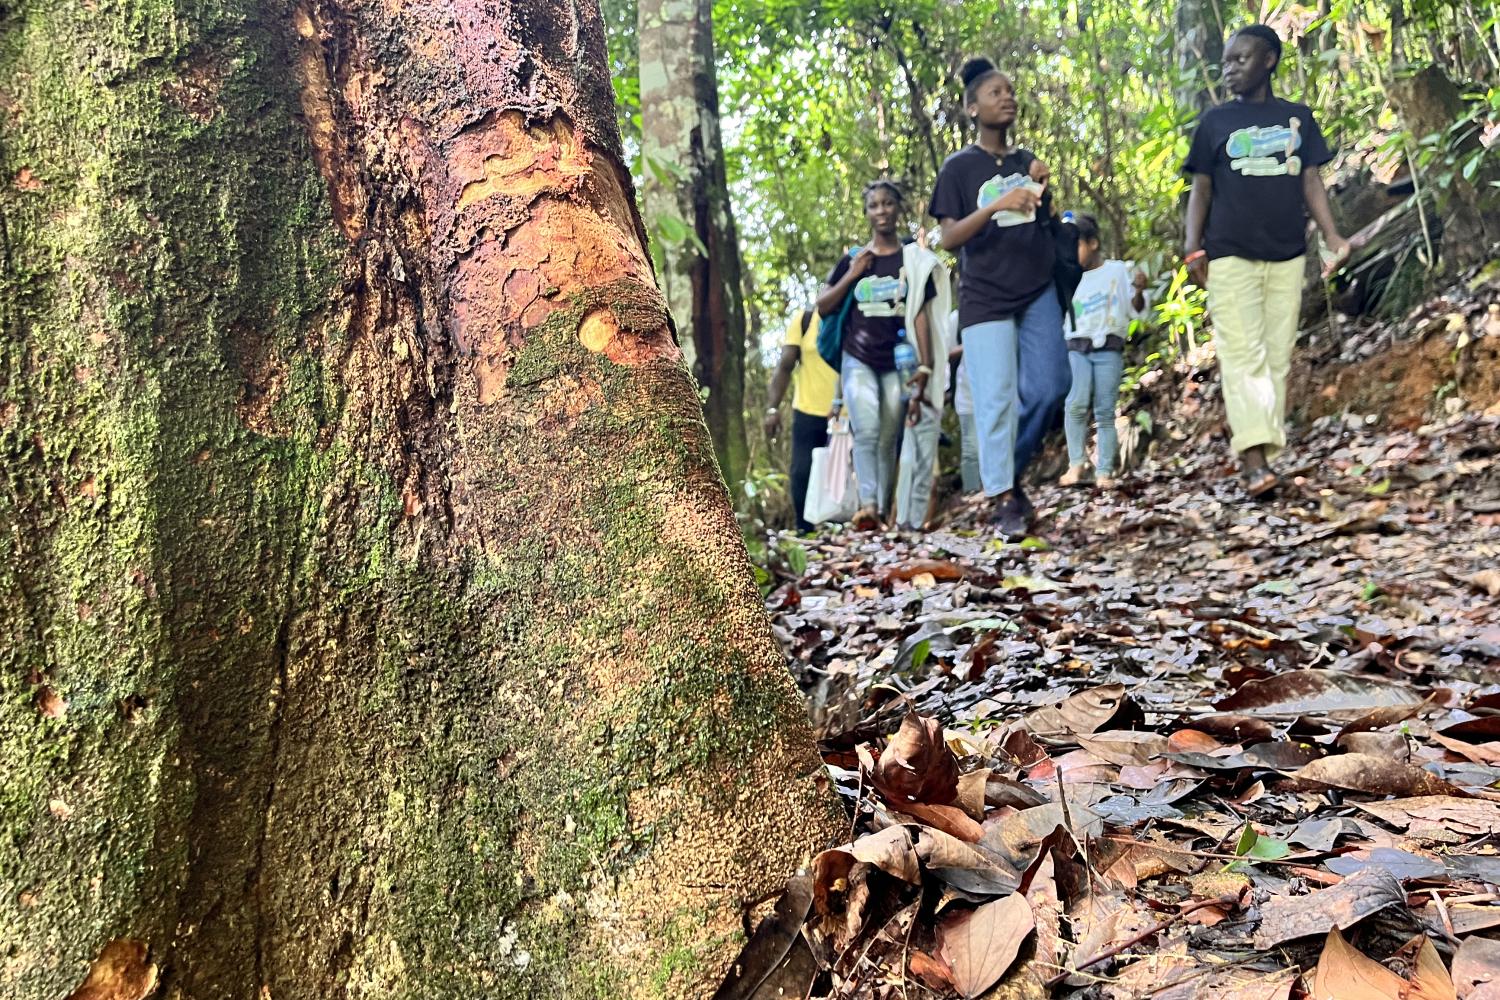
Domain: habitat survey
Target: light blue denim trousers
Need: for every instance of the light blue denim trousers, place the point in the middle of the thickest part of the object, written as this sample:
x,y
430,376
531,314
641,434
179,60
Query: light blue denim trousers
x,y
1096,390
874,403
1018,371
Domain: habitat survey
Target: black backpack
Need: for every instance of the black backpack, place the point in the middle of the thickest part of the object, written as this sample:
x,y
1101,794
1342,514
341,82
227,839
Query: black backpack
x,y
1066,271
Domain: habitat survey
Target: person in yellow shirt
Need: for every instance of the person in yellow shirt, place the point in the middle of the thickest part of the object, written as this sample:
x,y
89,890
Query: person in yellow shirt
x,y
814,387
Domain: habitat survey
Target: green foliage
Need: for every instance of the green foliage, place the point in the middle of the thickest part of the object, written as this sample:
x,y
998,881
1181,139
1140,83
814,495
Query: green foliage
x,y
818,97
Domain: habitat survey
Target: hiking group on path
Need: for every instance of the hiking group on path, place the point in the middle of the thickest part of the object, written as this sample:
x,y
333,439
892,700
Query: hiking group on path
x,y
1042,316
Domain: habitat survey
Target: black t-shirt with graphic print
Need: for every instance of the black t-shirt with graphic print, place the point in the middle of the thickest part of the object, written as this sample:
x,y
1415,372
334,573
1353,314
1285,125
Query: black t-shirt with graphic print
x,y
1256,153
1007,264
879,311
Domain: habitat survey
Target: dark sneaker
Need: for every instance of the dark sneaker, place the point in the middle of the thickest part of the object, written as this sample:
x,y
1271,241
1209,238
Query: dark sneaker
x,y
1028,509
1008,519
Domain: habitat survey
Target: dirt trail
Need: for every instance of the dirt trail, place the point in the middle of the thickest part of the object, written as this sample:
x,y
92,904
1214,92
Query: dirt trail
x,y
1211,680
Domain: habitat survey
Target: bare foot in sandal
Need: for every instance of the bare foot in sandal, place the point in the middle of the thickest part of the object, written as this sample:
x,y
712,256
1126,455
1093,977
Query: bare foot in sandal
x,y
1255,474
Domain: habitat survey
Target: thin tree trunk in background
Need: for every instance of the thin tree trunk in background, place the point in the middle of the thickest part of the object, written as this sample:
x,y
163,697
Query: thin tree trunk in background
x,y
680,131
1200,49
374,621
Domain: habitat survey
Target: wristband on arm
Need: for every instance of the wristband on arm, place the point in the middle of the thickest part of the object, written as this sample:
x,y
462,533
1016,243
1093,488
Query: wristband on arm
x,y
1195,256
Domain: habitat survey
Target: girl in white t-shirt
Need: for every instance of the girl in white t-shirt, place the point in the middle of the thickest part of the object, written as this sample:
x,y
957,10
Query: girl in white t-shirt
x,y
1108,297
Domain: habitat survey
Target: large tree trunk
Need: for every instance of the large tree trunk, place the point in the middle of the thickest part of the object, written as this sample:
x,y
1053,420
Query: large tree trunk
x,y
685,187
374,620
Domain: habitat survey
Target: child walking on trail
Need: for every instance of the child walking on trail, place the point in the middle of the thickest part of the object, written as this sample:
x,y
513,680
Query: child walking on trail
x,y
995,208
1254,162
886,290
1107,298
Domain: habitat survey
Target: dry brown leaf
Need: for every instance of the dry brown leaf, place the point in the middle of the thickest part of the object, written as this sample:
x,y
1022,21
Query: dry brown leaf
x,y
972,788
1469,817
1002,791
1479,753
979,945
1362,772
1167,964
949,819
1125,747
1192,741
51,704
1345,974
1131,861
767,962
1232,984
965,866
1320,692
1077,767
1429,977
934,569
1466,918
916,765
1232,728
1099,923
932,971
1285,918
1476,968
891,850
1392,745
1085,712
1017,837
830,877
1144,777
1487,580
121,972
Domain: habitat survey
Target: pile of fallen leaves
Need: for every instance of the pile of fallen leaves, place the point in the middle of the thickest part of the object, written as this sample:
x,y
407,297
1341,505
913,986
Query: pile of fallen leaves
x,y
1176,746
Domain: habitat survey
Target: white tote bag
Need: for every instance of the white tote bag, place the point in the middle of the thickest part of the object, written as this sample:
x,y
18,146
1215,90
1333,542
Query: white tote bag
x,y
831,491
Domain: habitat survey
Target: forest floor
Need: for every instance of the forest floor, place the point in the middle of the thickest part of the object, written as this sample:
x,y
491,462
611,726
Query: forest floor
x,y
1178,744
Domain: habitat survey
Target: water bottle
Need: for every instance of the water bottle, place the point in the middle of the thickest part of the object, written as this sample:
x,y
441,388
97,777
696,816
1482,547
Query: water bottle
x,y
906,361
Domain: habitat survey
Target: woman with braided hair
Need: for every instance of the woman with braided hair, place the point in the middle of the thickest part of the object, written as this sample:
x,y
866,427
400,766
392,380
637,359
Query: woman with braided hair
x,y
888,291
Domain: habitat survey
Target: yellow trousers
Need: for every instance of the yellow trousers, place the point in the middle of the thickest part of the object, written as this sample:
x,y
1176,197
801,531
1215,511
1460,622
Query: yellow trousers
x,y
1254,306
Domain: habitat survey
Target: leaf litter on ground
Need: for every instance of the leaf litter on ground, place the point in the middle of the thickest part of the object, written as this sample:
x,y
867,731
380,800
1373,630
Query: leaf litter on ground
x,y
1219,750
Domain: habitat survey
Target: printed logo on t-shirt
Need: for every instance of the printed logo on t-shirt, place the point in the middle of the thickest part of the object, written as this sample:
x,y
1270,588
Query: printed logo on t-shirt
x,y
881,295
998,187
1092,310
1254,151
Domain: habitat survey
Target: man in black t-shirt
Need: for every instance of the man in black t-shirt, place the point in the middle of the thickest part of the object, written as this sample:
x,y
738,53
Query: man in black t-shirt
x,y
1255,165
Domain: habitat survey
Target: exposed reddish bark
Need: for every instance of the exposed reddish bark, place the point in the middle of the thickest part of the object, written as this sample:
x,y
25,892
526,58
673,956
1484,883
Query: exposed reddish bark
x,y
376,622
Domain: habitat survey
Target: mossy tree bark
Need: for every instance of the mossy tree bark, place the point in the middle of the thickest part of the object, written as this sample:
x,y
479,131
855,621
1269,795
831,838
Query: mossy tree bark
x,y
374,621
686,187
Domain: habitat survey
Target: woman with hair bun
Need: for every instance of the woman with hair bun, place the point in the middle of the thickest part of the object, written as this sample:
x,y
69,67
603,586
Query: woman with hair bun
x,y
995,209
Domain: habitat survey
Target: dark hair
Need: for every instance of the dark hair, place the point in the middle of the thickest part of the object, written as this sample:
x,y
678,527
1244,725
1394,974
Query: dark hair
x,y
889,185
1088,226
1267,36
972,73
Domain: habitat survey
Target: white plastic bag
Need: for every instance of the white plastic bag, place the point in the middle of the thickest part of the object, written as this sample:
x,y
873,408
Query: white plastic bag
x,y
831,491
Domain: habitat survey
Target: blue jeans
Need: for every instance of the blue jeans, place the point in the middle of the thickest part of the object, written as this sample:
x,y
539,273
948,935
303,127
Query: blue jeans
x,y
1096,381
968,451
874,402
1018,370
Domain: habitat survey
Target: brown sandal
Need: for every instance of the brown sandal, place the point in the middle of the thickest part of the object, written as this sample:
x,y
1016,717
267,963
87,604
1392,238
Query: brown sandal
x,y
1260,483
